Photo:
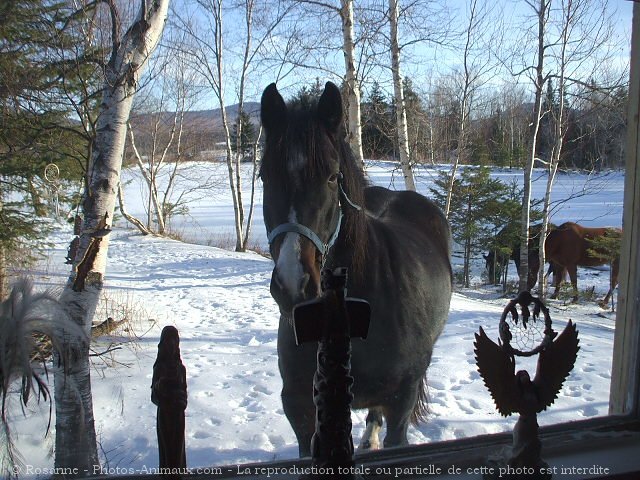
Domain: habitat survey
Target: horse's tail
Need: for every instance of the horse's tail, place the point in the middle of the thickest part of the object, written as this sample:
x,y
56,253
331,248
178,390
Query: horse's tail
x,y
421,408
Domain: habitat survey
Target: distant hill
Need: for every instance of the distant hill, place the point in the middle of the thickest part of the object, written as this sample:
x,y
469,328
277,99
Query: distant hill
x,y
202,128
213,119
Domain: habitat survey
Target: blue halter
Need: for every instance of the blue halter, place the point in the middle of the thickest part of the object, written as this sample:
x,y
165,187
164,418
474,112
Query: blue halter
x,y
300,229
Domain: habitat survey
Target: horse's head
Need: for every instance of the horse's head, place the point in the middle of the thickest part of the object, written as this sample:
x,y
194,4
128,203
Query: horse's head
x,y
495,265
302,178
489,265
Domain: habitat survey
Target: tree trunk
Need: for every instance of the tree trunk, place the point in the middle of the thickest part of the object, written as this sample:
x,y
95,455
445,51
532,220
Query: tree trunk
x,y
528,171
401,113
130,218
464,108
559,141
76,446
254,176
4,283
232,162
353,86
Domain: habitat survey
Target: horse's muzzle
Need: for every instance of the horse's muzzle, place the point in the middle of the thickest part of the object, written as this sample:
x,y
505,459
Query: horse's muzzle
x,y
287,297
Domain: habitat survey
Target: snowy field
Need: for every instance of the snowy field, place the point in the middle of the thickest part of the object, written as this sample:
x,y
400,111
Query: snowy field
x,y
219,301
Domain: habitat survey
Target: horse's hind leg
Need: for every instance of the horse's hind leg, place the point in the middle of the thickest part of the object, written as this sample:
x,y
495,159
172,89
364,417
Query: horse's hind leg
x,y
613,282
398,413
370,437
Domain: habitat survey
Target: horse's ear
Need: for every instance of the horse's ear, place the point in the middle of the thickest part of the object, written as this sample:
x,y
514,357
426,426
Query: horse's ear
x,y
330,107
273,110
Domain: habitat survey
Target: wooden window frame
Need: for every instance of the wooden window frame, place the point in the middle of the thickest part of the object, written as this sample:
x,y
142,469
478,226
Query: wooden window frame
x,y
612,442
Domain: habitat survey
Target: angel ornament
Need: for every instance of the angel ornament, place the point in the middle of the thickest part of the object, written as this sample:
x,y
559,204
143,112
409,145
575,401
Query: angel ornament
x,y
515,392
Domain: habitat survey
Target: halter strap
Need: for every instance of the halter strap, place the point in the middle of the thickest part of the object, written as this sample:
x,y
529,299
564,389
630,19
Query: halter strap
x,y
300,229
305,231
344,194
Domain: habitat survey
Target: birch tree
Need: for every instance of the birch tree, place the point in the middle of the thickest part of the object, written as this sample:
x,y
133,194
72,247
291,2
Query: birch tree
x,y
75,430
479,39
583,32
324,13
159,163
541,9
206,26
354,130
394,31
401,113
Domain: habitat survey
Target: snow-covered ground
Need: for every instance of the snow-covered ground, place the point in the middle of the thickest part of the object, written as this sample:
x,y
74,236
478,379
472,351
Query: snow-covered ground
x,y
219,301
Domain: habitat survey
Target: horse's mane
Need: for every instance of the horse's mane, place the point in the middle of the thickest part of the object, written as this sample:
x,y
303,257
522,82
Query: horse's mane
x,y
305,134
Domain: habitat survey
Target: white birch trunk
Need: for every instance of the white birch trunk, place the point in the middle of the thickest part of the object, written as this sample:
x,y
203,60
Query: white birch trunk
x,y
76,446
528,171
4,283
465,106
559,140
401,113
232,161
353,86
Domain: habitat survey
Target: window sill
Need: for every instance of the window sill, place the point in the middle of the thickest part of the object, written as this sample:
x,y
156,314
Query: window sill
x,y
603,448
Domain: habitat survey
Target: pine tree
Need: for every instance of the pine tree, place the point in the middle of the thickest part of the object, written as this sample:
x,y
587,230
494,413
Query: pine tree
x,y
377,125
36,126
307,95
476,206
247,135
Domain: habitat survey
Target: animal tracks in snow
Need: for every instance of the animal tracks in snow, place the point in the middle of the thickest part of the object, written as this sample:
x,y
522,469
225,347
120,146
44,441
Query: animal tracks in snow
x,y
228,324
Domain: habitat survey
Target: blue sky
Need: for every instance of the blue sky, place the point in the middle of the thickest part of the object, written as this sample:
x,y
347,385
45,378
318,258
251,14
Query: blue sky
x,y
425,63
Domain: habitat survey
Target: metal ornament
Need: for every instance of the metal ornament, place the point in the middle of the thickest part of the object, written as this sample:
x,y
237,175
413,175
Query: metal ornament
x,y
52,177
515,392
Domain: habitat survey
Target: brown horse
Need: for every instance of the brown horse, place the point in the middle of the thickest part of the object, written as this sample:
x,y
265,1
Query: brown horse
x,y
571,246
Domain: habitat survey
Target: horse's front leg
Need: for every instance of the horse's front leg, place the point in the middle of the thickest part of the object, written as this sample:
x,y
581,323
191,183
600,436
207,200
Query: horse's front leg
x,y
613,283
297,365
301,412
370,438
558,276
573,275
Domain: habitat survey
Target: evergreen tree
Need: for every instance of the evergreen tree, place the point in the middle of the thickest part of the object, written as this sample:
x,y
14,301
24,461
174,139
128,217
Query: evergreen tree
x,y
37,65
377,125
309,94
476,206
247,135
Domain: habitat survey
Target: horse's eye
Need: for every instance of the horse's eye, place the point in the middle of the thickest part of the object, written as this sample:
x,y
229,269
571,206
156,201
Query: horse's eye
x,y
333,179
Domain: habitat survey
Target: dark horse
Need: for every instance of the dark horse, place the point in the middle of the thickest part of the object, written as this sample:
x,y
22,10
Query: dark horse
x,y
509,239
320,212
570,246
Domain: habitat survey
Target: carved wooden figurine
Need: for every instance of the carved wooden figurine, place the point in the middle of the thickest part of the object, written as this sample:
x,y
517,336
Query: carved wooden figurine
x,y
169,393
